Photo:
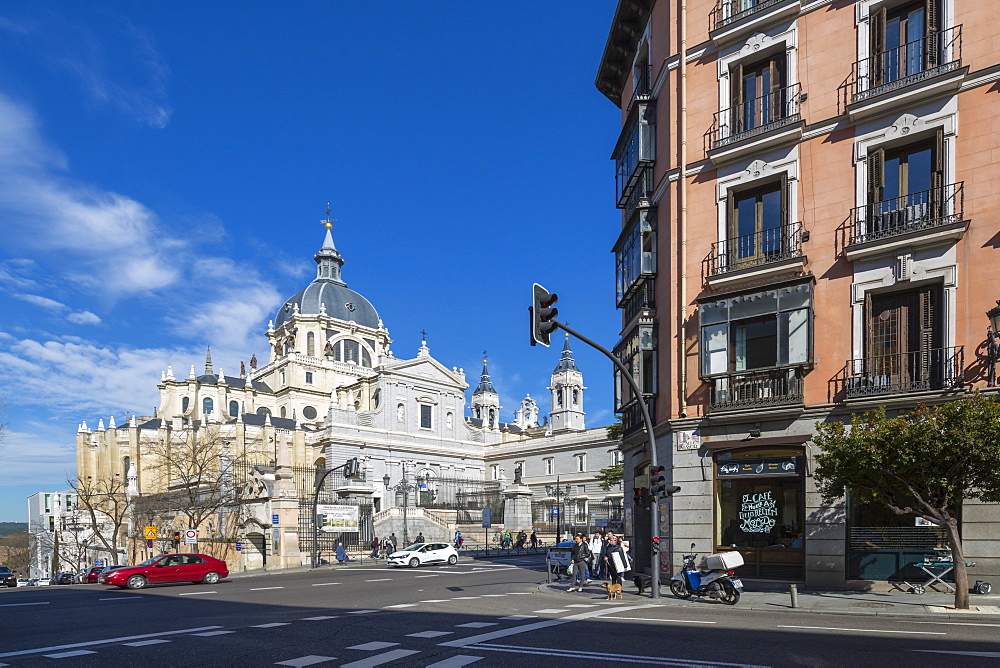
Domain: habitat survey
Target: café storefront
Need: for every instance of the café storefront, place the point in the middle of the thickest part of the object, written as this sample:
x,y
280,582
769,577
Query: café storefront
x,y
760,509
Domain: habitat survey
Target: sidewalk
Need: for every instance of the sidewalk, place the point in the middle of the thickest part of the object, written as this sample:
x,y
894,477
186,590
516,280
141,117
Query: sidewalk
x,y
931,605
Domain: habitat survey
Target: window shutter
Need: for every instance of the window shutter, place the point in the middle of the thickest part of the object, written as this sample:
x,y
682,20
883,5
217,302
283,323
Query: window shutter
x,y
733,223
869,318
926,333
877,60
777,103
736,95
938,197
876,166
932,28
784,205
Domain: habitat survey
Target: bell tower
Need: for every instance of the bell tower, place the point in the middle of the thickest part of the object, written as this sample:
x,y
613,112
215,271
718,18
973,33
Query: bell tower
x,y
567,394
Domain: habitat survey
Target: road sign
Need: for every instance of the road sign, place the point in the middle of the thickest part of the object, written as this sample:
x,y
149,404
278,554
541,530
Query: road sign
x,y
555,511
98,563
191,537
239,546
150,533
274,519
149,543
601,522
487,518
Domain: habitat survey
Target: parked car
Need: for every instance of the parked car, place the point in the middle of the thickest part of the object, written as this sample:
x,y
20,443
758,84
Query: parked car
x,y
81,575
419,554
560,555
8,578
92,574
197,568
23,582
63,579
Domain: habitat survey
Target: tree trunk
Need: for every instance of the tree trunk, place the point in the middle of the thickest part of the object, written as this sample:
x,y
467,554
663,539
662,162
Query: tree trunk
x,y
961,573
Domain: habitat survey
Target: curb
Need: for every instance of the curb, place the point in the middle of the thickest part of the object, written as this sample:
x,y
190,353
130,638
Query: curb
x,y
547,588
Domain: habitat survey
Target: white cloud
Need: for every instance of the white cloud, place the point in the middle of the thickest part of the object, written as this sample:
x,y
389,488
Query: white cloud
x,y
43,302
45,456
84,318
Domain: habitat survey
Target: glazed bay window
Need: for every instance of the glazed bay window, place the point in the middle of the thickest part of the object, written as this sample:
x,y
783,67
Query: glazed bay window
x,y
635,255
636,148
637,353
755,347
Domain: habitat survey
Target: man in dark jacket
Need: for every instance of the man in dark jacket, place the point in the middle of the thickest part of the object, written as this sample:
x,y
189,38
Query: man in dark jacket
x,y
581,554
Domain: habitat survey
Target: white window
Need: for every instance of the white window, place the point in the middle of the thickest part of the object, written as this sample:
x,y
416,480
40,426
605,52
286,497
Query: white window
x,y
548,466
581,462
616,457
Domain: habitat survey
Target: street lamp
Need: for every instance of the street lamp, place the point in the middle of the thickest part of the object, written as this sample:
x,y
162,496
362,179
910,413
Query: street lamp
x,y
404,486
993,332
559,493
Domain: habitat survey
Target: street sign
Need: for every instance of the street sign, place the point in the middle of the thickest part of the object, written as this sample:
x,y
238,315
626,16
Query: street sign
x,y
149,543
98,563
191,537
239,546
274,519
555,511
600,522
150,533
487,518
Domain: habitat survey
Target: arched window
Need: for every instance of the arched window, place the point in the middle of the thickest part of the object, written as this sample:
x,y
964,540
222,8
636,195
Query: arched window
x,y
311,344
282,411
125,463
366,358
185,402
576,397
559,397
234,409
263,411
351,352
207,405
338,351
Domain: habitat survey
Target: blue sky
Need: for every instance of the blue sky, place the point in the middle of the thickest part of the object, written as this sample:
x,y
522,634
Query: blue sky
x,y
164,167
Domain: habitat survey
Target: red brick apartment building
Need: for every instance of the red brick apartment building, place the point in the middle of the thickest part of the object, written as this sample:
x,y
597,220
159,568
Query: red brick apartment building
x,y
810,229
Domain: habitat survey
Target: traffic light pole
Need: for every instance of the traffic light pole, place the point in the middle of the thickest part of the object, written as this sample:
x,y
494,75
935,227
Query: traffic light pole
x,y
654,510
319,486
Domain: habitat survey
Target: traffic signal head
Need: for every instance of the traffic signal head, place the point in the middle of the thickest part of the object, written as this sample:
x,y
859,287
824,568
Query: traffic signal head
x,y
543,313
656,544
640,496
657,481
352,468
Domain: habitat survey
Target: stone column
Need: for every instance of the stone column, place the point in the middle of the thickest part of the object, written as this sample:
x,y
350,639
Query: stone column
x,y
517,508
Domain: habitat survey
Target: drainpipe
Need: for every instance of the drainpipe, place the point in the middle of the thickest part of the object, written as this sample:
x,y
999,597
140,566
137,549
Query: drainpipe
x,y
682,218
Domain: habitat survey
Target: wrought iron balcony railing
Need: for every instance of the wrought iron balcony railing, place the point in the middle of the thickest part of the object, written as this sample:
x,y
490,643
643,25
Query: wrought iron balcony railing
x,y
632,414
642,298
756,249
909,63
727,12
757,388
912,371
756,117
921,210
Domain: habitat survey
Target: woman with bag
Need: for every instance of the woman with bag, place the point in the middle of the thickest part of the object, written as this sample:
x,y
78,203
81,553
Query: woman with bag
x,y
580,555
617,560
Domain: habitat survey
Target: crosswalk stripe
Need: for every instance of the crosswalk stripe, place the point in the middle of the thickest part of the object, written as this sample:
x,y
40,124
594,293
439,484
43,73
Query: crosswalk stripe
x,y
310,660
429,634
374,645
402,605
66,655
379,659
456,661
144,643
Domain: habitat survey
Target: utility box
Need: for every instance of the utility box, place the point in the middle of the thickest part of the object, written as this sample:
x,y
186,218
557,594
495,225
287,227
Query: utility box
x,y
724,561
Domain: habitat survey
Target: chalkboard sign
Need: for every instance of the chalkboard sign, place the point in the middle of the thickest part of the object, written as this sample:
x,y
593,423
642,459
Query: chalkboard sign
x,y
766,466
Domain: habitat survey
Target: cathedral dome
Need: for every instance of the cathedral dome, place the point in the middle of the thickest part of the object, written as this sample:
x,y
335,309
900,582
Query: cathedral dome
x,y
329,291
340,301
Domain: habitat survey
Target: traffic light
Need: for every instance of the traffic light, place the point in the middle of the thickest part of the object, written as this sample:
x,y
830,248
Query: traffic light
x,y
352,468
543,312
657,481
176,540
640,496
656,544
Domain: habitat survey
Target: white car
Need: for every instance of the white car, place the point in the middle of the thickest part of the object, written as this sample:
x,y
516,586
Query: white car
x,y
23,582
419,554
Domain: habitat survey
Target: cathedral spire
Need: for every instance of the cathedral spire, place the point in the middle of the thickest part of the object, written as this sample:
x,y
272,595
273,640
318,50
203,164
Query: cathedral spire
x,y
329,261
208,361
566,362
485,385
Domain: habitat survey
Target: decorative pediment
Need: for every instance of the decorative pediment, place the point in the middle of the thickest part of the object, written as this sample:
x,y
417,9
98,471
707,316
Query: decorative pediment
x,y
904,125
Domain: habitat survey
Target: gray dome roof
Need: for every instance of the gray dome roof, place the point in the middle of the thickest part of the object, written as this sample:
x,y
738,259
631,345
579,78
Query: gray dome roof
x,y
341,303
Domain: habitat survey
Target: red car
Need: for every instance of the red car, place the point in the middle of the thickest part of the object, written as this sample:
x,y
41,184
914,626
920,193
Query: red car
x,y
197,568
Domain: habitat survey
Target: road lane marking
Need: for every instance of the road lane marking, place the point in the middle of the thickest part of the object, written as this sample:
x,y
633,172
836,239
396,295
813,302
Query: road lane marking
x,y
476,625
618,658
360,612
436,600
265,588
957,623
525,628
310,660
66,655
430,634
456,661
515,618
672,621
582,605
119,598
464,598
207,634
519,593
325,584
319,618
197,593
11,605
269,626
428,576
91,643
962,653
551,611
379,659
402,605
835,628
493,595
144,643
374,645
380,580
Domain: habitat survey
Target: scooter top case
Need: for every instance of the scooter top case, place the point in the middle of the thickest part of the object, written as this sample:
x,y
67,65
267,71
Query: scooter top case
x,y
724,561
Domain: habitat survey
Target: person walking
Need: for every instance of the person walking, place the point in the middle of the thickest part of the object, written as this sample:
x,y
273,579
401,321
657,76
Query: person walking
x,y
375,547
534,539
616,560
597,546
392,539
420,537
580,555
458,540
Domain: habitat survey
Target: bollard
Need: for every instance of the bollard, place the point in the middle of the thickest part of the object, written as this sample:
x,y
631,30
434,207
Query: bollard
x,y
794,591
548,570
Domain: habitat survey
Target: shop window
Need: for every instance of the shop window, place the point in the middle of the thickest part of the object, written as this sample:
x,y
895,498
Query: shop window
x,y
760,510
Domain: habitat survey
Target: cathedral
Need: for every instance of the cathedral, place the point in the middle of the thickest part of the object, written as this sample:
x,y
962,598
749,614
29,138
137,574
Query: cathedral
x,y
238,457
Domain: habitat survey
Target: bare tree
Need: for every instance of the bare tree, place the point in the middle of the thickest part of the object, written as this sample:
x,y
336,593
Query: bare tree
x,y
103,507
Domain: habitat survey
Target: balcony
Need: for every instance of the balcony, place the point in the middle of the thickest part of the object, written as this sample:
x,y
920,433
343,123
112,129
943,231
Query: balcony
x,y
899,373
757,388
755,124
641,299
907,74
732,18
757,255
632,415
925,218
641,194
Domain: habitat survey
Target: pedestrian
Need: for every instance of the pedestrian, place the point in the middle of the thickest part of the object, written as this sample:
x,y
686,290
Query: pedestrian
x,y
597,546
616,560
458,540
420,537
342,556
534,539
392,539
580,555
375,547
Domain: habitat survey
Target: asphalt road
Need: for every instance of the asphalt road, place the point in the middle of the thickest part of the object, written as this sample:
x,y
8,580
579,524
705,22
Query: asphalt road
x,y
483,613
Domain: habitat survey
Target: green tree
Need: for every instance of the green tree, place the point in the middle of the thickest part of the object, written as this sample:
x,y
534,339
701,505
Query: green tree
x,y
923,463
611,476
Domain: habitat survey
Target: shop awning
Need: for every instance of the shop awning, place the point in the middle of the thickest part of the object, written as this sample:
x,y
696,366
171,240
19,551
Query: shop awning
x,y
764,441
